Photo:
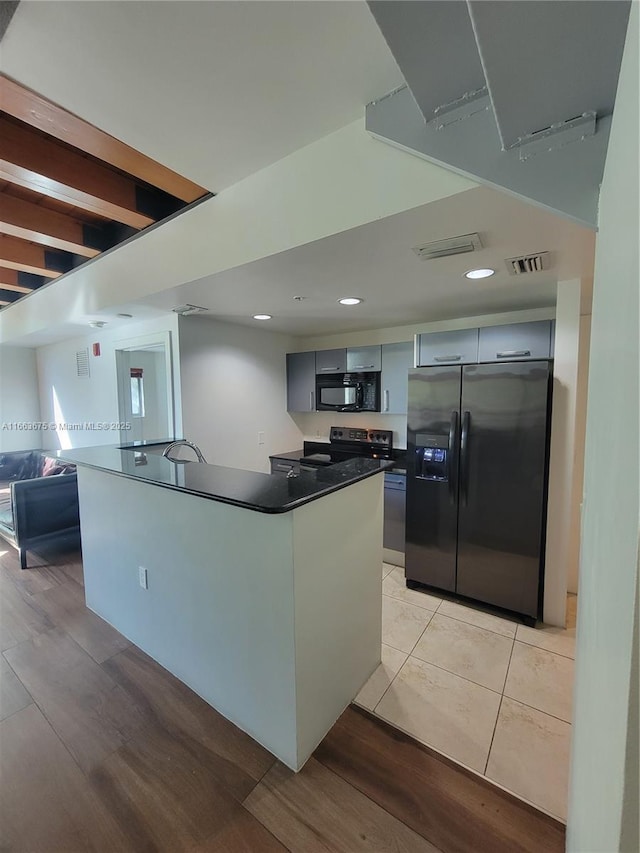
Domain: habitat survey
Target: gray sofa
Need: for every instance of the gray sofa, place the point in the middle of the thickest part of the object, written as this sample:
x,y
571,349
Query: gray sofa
x,y
38,501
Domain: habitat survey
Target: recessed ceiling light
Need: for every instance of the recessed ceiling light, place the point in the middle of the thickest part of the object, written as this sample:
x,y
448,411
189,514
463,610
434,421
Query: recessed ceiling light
x,y
98,324
350,300
262,317
483,273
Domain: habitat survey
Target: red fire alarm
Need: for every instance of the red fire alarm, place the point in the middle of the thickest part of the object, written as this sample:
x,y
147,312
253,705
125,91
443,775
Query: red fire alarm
x,y
96,349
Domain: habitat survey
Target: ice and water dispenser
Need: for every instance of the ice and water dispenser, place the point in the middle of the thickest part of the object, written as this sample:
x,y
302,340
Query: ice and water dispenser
x,y
431,462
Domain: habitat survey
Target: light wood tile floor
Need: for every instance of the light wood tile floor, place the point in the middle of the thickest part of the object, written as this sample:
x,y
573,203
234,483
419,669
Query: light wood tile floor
x,y
103,750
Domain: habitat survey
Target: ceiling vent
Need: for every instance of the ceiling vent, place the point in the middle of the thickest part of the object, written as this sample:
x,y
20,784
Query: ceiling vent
x,y
82,362
186,310
448,247
528,263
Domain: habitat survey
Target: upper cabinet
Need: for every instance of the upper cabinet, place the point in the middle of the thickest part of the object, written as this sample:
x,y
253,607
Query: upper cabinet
x,y
364,359
455,347
301,382
515,342
331,361
397,359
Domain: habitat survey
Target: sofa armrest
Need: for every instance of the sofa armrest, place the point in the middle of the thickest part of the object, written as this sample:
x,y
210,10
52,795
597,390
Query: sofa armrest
x,y
44,505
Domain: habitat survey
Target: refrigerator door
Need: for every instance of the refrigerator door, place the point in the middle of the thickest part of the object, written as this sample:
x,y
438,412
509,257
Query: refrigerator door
x,y
503,477
432,475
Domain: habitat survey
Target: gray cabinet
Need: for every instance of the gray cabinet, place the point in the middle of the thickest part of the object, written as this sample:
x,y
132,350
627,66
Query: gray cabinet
x,y
301,382
456,347
284,466
397,359
515,342
331,361
364,359
395,490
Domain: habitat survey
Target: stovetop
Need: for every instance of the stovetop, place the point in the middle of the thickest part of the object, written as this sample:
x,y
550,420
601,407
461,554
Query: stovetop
x,y
349,442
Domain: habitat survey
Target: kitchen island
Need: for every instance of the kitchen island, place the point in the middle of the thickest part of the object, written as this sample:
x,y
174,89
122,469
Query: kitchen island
x,y
263,592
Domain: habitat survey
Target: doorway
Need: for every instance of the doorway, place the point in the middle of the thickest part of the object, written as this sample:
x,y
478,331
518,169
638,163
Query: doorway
x,y
145,388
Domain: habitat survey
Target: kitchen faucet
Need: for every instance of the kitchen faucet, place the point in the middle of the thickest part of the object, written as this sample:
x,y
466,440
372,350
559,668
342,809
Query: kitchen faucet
x,y
179,443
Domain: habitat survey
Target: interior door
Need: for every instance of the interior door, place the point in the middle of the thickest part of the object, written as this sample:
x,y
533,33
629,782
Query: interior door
x,y
503,479
432,476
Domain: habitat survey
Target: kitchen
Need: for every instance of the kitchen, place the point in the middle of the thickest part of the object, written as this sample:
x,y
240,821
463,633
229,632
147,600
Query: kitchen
x,y
229,383
229,388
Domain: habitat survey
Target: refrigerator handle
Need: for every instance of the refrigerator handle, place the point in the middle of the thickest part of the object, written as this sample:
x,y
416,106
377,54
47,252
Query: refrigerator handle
x,y
464,457
453,457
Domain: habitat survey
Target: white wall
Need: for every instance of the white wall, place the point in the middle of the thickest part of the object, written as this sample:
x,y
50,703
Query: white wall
x,y
561,550
605,734
19,400
66,397
233,387
573,582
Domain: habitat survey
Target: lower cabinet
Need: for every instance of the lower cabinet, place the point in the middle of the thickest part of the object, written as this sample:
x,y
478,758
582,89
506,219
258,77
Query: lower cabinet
x,y
395,490
284,466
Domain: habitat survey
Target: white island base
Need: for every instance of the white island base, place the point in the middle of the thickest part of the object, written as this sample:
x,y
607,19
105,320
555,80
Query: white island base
x,y
273,619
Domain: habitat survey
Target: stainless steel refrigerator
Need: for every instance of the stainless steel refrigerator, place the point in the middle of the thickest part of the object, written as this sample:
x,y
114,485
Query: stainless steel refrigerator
x,y
477,468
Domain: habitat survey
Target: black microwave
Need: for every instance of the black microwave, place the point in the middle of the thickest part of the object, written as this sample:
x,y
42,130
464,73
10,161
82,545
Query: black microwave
x,y
348,392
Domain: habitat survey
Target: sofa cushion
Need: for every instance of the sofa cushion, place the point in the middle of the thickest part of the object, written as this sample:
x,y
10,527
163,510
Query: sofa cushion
x,y
24,465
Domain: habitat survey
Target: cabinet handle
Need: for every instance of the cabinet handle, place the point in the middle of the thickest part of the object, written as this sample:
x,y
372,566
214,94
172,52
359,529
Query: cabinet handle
x,y
447,357
330,368
362,366
312,407
513,353
386,400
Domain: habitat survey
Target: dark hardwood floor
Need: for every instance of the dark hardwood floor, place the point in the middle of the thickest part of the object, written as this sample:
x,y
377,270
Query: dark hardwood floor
x,y
103,750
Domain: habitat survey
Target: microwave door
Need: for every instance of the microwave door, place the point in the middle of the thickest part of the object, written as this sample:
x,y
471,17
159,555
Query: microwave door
x,y
338,397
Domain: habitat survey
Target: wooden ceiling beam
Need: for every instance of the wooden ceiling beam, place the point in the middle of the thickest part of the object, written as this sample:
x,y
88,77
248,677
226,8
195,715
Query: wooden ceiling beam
x,y
9,281
19,218
40,113
20,255
51,169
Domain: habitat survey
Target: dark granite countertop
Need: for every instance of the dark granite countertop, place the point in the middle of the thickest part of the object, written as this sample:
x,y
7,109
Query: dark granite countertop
x,y
293,455
271,493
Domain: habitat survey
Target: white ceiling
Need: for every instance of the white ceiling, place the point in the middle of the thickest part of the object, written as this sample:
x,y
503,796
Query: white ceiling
x,y
376,263
214,90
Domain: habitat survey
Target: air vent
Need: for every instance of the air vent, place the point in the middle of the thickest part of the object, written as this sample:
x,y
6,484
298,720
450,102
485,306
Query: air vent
x,y
82,362
185,310
448,247
528,263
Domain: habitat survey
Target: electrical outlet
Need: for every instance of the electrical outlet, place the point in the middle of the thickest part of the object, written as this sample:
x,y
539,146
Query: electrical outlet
x,y
143,577
261,437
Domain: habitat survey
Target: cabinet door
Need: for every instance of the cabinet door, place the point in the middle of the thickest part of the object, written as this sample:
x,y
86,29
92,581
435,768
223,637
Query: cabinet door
x,y
331,361
284,466
515,342
301,382
394,512
456,347
364,359
397,360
